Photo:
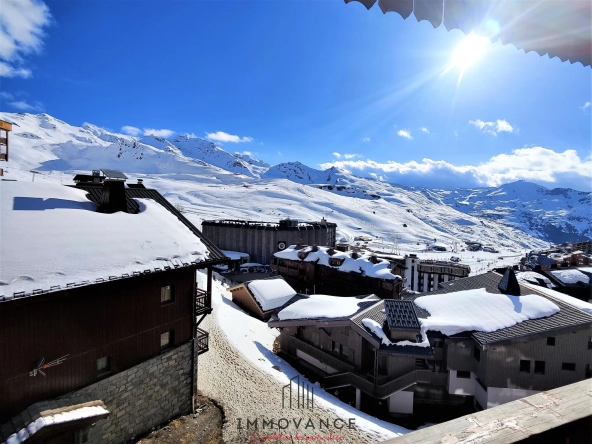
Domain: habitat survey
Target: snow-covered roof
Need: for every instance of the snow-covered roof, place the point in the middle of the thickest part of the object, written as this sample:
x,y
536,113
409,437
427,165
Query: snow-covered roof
x,y
271,293
578,303
478,310
53,236
321,306
570,276
235,255
534,278
360,265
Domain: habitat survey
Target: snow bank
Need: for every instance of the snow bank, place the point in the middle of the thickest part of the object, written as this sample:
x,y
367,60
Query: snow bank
x,y
361,265
271,293
321,306
481,311
52,235
570,276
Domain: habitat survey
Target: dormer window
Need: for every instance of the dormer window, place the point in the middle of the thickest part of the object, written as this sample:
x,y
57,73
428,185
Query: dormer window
x,y
335,262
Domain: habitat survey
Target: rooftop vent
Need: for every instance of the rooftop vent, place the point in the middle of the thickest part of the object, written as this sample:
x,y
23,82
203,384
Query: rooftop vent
x,y
509,284
288,223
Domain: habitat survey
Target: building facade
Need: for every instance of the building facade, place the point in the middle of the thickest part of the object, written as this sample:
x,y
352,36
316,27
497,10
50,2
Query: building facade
x,y
262,239
128,338
426,275
389,368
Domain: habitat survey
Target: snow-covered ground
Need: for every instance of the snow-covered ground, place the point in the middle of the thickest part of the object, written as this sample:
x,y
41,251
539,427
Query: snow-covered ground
x,y
241,371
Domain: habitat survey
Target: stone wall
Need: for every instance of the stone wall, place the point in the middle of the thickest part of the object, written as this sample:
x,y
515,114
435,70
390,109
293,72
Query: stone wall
x,y
141,397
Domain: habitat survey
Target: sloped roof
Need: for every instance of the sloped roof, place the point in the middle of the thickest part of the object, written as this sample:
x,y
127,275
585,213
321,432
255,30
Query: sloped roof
x,y
559,28
400,314
53,238
568,315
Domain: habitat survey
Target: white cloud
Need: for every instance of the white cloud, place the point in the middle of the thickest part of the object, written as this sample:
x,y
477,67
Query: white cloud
x,y
405,134
245,153
423,129
21,105
158,132
351,156
221,136
6,95
535,164
7,70
131,130
366,139
21,33
338,155
586,107
493,128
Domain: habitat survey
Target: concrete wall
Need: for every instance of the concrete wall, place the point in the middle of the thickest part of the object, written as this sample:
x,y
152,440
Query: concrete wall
x,y
401,402
141,397
497,395
461,386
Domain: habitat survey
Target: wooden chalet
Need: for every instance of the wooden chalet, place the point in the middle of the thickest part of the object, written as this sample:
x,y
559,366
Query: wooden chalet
x,y
326,270
261,297
98,304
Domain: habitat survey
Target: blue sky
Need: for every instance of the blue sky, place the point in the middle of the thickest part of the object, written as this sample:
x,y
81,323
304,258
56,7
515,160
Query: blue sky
x,y
320,82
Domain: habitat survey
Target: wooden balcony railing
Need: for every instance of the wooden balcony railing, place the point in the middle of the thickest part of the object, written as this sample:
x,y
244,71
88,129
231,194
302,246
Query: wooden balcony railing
x,y
202,338
203,302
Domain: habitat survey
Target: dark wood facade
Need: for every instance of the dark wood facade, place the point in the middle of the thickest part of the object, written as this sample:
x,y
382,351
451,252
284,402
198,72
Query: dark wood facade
x,y
310,277
121,319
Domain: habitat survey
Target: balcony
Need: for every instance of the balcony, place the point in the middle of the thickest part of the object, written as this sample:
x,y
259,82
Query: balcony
x,y
202,338
203,302
323,356
386,389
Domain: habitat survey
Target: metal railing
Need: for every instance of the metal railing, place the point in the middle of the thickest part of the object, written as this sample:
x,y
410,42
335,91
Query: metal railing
x,y
203,302
202,339
324,357
387,388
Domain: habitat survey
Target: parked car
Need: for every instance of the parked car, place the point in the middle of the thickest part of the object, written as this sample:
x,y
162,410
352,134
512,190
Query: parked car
x,y
455,259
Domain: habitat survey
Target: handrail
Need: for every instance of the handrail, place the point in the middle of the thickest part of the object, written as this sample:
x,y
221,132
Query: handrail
x,y
202,338
389,387
321,355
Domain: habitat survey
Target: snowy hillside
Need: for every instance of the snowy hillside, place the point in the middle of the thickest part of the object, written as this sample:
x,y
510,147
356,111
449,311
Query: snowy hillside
x,y
211,183
556,215
46,143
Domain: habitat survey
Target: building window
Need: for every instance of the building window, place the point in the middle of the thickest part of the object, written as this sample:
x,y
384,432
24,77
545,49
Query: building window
x,y
477,353
166,339
463,374
539,367
166,294
524,366
569,366
336,347
590,343
551,341
588,371
103,365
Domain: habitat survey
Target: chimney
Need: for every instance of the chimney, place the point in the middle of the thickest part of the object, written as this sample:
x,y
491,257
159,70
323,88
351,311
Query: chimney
x,y
509,284
113,195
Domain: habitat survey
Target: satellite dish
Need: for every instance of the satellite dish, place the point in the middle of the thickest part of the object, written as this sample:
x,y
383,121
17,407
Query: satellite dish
x,y
281,245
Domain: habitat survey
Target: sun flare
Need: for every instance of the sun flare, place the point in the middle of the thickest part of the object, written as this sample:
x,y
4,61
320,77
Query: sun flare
x,y
469,51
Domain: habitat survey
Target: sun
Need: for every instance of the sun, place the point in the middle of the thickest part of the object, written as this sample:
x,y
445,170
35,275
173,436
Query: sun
x,y
469,51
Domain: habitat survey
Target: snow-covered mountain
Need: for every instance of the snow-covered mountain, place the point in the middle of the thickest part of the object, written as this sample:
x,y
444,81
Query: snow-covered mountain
x,y
556,215
213,183
51,144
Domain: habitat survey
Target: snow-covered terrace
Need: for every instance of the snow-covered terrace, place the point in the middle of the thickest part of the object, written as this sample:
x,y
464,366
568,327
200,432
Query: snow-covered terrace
x,y
362,264
52,237
570,276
